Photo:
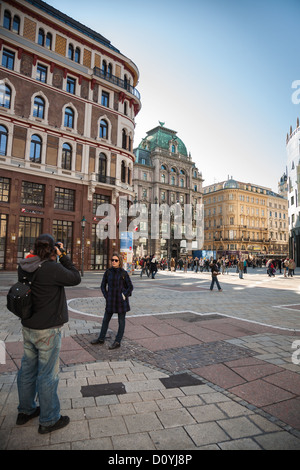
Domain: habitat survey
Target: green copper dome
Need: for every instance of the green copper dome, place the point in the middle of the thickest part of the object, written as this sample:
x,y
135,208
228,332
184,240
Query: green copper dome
x,y
165,139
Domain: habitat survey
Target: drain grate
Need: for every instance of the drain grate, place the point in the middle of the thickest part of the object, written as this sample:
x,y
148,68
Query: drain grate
x,y
117,388
180,380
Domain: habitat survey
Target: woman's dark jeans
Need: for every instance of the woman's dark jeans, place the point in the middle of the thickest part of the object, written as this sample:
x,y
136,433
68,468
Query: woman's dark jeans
x,y
105,323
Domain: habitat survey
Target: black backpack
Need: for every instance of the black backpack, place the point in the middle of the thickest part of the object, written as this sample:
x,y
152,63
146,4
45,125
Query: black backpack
x,y
19,298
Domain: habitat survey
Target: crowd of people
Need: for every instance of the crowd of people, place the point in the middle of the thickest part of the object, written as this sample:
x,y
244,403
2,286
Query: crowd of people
x,y
149,265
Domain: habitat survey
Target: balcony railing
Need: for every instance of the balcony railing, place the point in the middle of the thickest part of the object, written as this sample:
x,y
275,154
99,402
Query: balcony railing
x,y
106,179
117,81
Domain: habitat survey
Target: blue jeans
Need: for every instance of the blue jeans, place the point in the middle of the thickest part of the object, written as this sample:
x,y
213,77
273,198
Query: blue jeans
x,y
105,323
213,281
39,374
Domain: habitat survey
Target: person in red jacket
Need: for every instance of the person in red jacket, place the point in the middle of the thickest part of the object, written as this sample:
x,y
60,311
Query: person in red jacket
x,y
38,375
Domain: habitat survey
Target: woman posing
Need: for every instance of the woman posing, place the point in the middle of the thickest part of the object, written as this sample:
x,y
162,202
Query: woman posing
x,y
116,287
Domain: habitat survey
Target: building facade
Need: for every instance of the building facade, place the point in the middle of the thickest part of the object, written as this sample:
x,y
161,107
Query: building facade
x,y
165,174
244,220
68,102
293,178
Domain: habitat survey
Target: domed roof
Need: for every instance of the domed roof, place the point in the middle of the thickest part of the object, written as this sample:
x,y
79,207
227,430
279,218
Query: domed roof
x,y
230,184
162,137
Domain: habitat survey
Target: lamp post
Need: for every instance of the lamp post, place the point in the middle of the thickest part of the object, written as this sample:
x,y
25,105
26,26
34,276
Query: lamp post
x,y
82,244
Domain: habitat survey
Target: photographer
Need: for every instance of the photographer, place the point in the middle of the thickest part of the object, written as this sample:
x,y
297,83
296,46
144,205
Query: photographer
x,y
42,333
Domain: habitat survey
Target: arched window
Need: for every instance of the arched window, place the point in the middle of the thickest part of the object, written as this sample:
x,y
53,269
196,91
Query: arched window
x,y
173,180
66,160
109,70
124,139
77,55
163,178
181,182
163,167
3,140
7,19
5,96
41,37
182,172
103,129
123,172
104,67
16,25
35,149
173,170
39,107
69,118
173,148
102,166
49,41
71,52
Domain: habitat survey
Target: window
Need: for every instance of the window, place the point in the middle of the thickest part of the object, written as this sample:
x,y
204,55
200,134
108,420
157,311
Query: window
x,y
104,67
69,118
35,149
181,182
71,52
105,99
77,55
103,129
49,41
41,37
173,180
62,230
3,140
102,166
4,189
33,194
109,70
7,19
16,25
123,172
29,229
99,199
163,168
5,96
66,161
124,139
71,83
8,59
163,178
41,73
64,199
39,107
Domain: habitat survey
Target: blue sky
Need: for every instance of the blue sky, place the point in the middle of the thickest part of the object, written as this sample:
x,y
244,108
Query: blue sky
x,y
219,72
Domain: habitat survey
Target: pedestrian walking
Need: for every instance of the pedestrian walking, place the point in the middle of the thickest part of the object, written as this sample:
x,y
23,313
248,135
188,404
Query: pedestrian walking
x,y
38,374
214,276
116,287
153,266
241,268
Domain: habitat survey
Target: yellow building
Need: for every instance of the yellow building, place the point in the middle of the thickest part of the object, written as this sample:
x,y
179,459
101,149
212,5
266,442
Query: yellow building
x,y
244,220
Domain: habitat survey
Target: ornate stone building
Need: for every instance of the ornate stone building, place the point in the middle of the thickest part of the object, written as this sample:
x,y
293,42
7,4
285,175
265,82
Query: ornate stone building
x,y
164,173
67,115
293,179
244,219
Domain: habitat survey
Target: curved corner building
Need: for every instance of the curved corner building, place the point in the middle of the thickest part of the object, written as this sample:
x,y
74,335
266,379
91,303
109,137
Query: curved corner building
x,y
68,102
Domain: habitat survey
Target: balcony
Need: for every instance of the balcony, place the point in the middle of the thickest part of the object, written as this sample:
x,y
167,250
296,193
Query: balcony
x,y
105,179
117,81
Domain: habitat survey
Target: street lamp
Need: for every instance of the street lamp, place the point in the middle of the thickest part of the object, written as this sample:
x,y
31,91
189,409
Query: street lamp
x,y
83,220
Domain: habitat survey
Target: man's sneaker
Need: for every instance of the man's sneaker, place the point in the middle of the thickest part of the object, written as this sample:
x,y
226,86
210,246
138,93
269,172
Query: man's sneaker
x,y
61,423
114,345
23,418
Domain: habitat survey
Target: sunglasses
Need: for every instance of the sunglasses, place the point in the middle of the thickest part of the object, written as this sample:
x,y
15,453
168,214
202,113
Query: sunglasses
x,y
114,260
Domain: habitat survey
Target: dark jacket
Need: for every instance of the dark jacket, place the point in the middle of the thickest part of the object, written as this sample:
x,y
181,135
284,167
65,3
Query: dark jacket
x,y
116,282
48,293
214,269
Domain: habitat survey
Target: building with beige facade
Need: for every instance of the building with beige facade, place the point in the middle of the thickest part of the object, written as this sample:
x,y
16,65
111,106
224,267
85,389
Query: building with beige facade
x,y
244,220
68,102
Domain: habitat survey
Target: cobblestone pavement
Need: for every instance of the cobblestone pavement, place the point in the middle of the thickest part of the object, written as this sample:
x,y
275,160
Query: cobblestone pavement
x,y
196,370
